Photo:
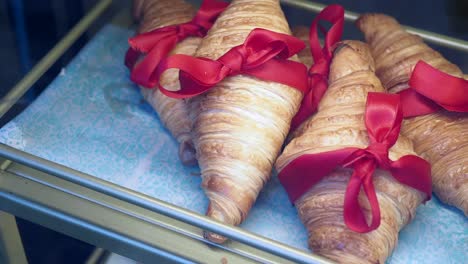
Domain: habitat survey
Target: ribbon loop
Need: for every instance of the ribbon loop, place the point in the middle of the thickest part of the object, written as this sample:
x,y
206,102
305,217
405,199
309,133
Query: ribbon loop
x,y
431,89
159,42
335,15
201,78
383,118
264,55
318,73
265,44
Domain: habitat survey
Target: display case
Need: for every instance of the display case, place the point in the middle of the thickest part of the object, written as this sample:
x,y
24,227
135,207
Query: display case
x,y
89,159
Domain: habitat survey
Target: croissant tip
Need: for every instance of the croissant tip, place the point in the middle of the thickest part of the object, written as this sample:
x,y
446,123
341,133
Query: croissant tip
x,y
187,153
218,239
363,20
218,215
368,21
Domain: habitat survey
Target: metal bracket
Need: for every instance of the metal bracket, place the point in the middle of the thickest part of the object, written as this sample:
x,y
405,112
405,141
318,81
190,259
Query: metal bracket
x,y
11,246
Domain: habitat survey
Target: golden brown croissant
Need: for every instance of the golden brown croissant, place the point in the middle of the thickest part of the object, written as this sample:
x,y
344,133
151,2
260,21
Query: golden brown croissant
x,y
339,123
442,137
241,123
173,113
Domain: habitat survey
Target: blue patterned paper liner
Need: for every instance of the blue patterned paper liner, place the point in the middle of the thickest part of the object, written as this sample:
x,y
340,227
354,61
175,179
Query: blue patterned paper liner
x,y
92,118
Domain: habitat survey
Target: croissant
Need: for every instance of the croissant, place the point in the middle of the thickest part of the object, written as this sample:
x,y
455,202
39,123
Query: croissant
x,y
241,123
173,113
339,123
441,137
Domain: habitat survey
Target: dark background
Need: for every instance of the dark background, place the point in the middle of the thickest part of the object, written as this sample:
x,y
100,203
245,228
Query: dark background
x,y
30,28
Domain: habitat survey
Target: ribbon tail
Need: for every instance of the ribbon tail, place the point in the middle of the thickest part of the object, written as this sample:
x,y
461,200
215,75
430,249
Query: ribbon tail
x,y
304,111
369,190
319,89
310,102
353,213
415,172
353,216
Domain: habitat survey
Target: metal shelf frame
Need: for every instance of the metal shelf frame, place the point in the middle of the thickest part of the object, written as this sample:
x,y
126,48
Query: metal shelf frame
x,y
119,219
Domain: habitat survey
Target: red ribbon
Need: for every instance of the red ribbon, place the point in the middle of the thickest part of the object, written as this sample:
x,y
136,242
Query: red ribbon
x,y
156,44
432,90
264,55
383,121
318,73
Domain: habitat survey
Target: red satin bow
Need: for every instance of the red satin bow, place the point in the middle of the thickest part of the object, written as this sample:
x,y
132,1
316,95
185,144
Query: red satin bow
x,y
159,42
383,121
318,73
432,90
264,55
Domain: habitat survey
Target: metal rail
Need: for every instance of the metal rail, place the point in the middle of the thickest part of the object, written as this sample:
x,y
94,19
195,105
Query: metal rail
x,y
106,222
158,206
431,37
